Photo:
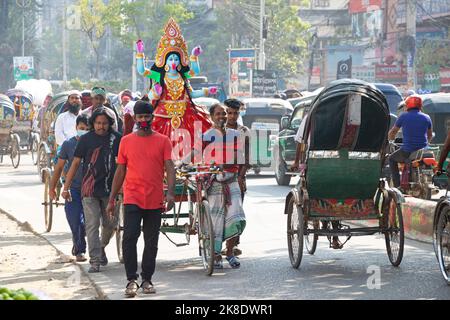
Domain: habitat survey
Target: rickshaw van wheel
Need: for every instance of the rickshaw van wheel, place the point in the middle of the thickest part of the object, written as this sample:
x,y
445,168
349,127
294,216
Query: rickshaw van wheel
x,y
395,239
295,227
443,246
48,203
119,228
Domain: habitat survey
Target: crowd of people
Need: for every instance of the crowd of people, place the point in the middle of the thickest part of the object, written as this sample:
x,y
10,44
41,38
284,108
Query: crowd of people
x,y
98,159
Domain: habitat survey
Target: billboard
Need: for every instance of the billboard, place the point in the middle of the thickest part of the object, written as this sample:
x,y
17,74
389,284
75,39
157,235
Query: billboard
x,y
264,83
23,68
241,61
359,6
394,74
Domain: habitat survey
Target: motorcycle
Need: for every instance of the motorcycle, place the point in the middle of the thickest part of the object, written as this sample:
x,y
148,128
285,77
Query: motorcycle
x,y
416,173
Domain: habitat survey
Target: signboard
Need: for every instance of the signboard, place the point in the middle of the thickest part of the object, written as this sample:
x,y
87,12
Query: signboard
x,y
444,74
315,75
264,83
23,68
344,69
365,73
391,73
358,6
241,62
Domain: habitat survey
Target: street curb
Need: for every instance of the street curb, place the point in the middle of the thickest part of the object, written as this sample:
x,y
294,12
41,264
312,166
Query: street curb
x,y
27,227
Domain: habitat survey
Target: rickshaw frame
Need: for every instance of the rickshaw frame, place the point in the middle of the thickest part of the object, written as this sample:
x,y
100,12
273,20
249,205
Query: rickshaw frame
x,y
302,210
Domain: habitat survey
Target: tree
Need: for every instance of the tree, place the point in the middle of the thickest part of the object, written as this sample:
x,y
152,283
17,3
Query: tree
x,y
142,19
239,26
96,16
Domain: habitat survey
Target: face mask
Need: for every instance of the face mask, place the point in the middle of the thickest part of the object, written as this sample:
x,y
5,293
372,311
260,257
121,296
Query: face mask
x,y
144,125
81,132
74,108
242,113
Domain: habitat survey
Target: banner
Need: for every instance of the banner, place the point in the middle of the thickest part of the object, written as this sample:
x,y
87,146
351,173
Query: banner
x,y
365,73
344,69
23,68
264,83
241,62
391,74
358,6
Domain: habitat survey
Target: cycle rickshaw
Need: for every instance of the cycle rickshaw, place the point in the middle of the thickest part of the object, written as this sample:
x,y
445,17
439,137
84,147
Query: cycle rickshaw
x,y
192,218
47,153
340,179
9,141
25,110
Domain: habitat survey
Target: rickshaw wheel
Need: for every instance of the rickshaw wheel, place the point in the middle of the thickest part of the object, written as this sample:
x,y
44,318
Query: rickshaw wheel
x,y
15,152
443,243
34,150
311,239
394,233
119,229
43,160
48,203
295,227
206,237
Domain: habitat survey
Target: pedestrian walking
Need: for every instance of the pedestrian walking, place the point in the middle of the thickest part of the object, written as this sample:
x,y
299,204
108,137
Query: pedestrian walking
x,y
144,156
98,150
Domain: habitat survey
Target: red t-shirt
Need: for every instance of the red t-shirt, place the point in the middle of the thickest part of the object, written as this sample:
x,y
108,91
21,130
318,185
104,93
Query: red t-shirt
x,y
144,158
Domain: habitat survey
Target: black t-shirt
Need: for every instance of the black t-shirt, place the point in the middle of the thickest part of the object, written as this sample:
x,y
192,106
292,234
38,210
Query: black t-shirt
x,y
99,162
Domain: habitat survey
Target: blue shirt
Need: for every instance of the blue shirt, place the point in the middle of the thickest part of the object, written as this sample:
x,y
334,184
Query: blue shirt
x,y
414,125
66,153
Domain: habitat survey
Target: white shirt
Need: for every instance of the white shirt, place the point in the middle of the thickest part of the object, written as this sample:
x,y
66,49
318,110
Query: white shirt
x,y
111,113
65,127
299,135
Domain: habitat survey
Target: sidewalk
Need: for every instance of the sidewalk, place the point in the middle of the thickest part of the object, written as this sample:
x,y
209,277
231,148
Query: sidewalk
x,y
30,262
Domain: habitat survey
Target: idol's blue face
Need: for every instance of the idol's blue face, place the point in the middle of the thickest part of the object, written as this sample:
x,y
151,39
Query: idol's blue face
x,y
173,62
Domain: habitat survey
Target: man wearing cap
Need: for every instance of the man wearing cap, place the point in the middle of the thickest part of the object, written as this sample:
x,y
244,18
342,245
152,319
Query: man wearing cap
x,y
98,101
143,157
65,125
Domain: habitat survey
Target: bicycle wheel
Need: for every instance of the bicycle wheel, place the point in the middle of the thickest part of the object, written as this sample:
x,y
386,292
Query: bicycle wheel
x,y
34,150
206,237
443,243
15,152
295,228
311,239
48,203
119,229
394,233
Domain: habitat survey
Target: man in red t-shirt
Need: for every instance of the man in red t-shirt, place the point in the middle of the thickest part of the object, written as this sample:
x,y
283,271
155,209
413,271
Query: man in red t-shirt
x,y
143,156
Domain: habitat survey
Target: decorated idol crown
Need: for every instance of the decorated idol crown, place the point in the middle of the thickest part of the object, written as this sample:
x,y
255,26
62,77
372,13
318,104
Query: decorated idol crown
x,y
172,41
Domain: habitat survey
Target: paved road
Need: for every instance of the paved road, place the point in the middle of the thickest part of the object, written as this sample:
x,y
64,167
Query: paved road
x,y
266,272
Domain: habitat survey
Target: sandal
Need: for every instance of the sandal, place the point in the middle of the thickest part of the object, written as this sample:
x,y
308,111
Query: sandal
x,y
147,287
234,262
336,244
218,264
131,289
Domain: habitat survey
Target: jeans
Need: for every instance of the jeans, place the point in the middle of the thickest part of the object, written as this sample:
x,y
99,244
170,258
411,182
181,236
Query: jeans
x,y
133,216
399,156
95,212
75,218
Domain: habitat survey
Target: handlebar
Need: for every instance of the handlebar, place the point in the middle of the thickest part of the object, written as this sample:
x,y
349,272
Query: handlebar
x,y
186,171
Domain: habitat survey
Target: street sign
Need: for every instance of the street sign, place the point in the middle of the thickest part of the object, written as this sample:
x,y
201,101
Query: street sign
x,y
23,68
264,83
344,69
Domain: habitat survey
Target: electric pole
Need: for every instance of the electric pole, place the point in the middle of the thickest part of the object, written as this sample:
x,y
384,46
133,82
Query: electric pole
x,y
64,49
411,13
262,55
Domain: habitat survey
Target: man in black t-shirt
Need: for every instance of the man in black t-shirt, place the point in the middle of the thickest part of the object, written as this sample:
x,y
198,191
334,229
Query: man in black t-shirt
x,y
98,149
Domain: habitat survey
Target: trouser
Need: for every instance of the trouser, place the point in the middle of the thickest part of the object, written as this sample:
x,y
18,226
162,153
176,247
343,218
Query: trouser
x,y
75,218
95,213
399,156
133,216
